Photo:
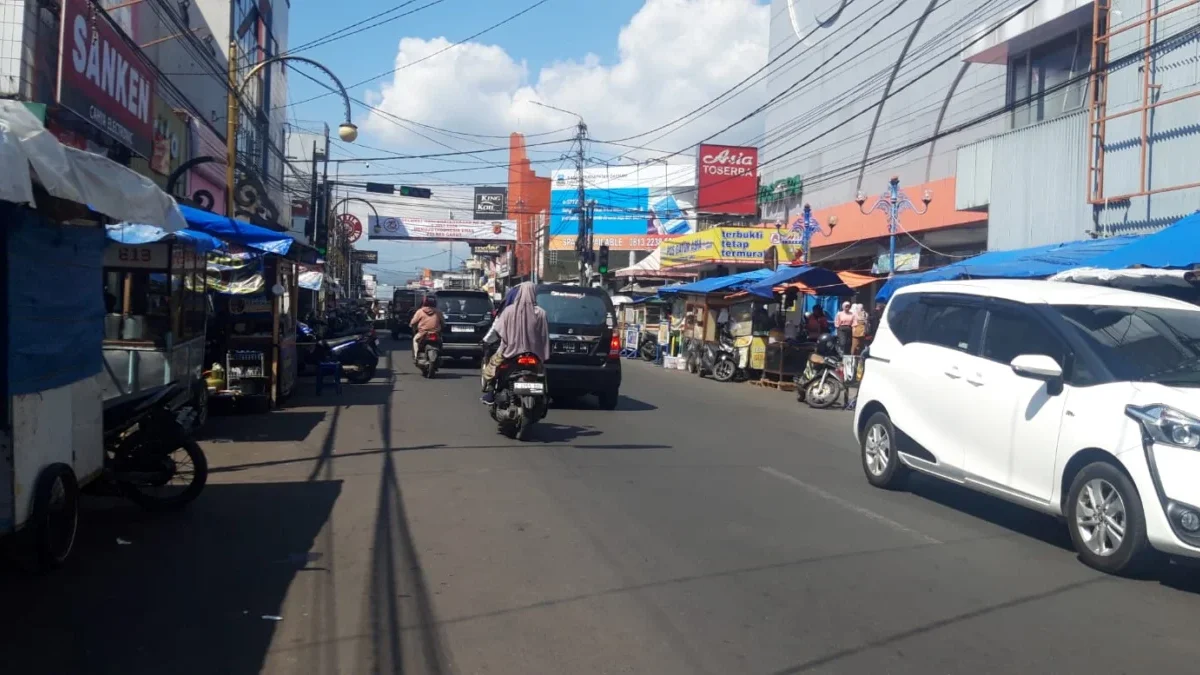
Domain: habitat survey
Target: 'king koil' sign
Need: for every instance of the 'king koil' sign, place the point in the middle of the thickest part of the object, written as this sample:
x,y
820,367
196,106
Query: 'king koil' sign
x,y
104,79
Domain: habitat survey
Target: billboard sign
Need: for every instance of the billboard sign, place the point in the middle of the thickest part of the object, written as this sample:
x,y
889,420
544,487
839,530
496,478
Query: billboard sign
x,y
366,257
637,207
491,203
103,79
729,246
487,249
727,179
397,228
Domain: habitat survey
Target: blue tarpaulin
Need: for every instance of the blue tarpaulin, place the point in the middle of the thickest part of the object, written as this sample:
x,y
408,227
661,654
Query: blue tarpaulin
x,y
130,233
1026,263
816,278
1176,247
236,231
730,283
55,301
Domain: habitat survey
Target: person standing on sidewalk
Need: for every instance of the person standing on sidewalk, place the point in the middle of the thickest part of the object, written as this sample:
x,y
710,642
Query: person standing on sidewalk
x,y
844,323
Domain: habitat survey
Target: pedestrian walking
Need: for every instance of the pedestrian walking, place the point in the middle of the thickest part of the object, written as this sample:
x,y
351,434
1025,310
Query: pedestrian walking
x,y
844,323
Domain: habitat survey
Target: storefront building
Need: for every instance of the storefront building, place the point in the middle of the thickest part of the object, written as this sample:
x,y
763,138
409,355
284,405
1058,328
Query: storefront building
x,y
992,113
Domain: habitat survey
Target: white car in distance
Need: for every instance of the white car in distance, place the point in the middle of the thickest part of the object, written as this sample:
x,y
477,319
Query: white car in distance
x,y
1078,401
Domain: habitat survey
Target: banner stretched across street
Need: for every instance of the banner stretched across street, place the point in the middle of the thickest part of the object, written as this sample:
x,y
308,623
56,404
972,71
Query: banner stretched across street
x,y
394,227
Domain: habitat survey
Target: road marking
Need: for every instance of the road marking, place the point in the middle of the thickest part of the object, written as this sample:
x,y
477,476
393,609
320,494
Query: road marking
x,y
830,497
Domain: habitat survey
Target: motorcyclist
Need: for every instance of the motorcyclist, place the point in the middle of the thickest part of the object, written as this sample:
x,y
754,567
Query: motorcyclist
x,y
428,319
521,329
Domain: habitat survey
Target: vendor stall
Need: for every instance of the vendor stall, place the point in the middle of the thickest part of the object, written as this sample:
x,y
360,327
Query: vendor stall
x,y
155,310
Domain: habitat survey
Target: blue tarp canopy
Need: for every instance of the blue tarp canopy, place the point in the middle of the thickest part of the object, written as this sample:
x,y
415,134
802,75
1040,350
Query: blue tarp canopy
x,y
236,231
130,233
730,283
819,279
1178,247
1026,263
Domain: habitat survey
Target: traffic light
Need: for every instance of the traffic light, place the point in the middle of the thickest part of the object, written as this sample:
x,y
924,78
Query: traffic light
x,y
602,260
408,191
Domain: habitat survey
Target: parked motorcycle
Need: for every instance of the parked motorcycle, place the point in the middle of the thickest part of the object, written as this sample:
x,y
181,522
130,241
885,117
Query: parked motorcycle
x,y
521,396
648,347
822,383
359,356
150,458
719,360
426,357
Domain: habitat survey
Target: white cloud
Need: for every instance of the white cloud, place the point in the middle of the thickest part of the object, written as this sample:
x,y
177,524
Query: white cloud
x,y
673,56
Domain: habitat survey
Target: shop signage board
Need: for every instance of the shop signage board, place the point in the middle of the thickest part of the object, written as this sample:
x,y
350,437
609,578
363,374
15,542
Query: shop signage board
x,y
397,228
103,79
491,203
141,256
350,227
366,257
636,207
487,249
727,246
784,188
727,179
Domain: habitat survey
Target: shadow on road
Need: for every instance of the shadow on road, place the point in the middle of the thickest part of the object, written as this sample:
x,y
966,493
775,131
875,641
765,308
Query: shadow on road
x,y
186,594
403,630
282,425
624,403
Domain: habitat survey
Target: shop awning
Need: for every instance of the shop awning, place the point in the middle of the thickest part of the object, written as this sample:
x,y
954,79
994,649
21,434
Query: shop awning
x,y
29,152
852,280
237,231
129,233
1028,263
1176,247
730,283
651,267
819,279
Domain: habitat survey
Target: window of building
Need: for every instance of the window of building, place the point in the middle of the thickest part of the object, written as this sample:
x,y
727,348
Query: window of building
x,y
1050,80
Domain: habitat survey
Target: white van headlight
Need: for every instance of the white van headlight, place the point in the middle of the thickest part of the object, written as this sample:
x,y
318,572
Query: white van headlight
x,y
1167,425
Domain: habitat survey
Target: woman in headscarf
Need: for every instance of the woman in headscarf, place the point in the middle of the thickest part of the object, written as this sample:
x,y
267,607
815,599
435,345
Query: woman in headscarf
x,y
522,329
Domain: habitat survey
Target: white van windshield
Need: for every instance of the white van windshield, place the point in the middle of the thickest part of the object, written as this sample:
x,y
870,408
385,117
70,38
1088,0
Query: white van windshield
x,y
1141,344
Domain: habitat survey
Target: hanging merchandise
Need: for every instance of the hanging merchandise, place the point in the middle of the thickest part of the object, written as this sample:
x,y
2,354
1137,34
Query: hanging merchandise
x,y
236,272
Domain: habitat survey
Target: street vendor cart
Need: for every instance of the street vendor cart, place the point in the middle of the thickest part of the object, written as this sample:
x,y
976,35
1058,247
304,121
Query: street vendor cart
x,y
52,247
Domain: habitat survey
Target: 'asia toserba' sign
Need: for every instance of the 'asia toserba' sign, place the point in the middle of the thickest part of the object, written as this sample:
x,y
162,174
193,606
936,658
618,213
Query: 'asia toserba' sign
x,y
103,79
727,179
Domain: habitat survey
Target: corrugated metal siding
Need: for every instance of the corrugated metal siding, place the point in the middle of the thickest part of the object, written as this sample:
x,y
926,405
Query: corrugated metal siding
x,y
1038,188
973,175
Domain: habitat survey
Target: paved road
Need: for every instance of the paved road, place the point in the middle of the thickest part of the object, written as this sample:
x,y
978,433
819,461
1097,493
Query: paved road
x,y
699,529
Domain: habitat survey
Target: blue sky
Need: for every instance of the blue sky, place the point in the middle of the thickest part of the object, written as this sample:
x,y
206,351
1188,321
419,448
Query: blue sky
x,y
564,52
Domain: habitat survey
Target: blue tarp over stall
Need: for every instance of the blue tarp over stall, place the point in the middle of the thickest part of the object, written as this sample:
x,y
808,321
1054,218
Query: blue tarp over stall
x,y
816,278
236,231
1026,263
1178,247
130,233
730,283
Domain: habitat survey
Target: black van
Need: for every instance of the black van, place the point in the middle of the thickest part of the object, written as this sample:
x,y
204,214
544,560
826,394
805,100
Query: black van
x,y
469,316
584,345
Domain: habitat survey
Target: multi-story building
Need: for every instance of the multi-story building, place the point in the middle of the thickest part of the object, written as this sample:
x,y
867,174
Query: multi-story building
x,y
145,82
993,109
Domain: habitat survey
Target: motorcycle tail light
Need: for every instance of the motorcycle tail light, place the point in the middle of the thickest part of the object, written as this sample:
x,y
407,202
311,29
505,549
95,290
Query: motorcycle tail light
x,y
614,347
432,337
527,360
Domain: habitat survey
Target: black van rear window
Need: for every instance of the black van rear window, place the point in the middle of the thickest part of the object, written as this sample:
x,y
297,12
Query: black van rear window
x,y
573,307
464,303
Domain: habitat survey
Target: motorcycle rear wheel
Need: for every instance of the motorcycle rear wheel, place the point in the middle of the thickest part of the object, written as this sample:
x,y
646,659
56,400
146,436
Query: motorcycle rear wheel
x,y
724,370
363,375
144,495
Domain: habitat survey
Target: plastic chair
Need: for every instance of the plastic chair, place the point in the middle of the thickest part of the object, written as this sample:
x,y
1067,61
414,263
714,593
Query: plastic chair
x,y
329,369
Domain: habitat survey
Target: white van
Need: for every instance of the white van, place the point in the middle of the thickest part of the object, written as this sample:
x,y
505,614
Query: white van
x,y
1075,400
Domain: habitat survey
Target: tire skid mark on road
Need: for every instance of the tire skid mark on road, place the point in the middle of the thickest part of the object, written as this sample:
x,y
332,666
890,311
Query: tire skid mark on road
x,y
850,506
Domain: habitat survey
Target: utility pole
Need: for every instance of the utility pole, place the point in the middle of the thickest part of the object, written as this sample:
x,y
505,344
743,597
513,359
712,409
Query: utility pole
x,y
583,242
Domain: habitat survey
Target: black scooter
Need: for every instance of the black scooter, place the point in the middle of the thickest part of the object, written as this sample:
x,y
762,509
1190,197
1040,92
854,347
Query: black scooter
x,y
358,356
719,360
522,397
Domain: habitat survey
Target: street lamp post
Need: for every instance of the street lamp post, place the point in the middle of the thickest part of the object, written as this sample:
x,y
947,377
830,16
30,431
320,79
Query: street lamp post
x,y
346,131
892,202
809,226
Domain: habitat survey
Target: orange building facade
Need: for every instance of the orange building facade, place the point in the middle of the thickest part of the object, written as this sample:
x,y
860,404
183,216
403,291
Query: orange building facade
x,y
528,204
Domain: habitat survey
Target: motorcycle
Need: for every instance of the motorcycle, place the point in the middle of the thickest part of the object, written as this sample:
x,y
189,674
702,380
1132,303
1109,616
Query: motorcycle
x,y
719,359
648,347
521,396
426,356
823,380
147,447
359,356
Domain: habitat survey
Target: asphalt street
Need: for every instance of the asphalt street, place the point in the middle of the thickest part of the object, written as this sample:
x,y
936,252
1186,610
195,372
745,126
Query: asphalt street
x,y
700,528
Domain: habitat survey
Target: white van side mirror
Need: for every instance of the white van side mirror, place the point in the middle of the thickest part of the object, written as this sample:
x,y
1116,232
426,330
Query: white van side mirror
x,y
1040,367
